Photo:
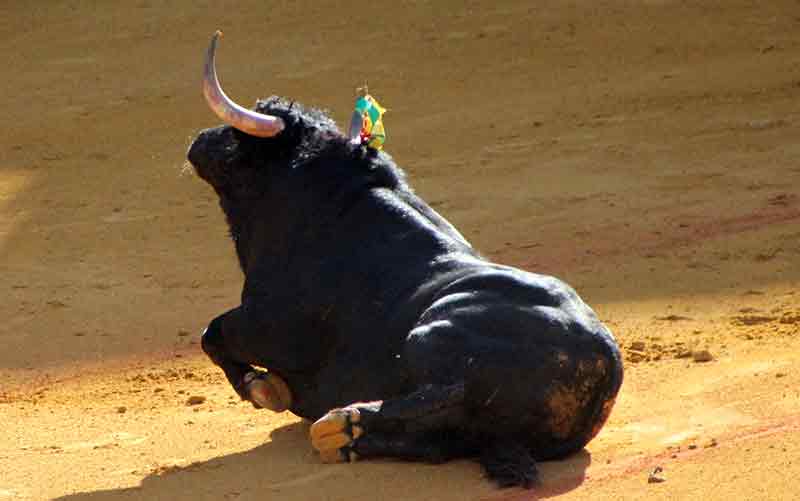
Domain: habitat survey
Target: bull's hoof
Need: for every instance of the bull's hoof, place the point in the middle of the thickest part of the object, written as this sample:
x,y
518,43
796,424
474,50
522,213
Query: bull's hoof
x,y
267,391
334,434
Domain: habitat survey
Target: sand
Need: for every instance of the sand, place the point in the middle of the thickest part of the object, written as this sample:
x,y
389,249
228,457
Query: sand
x,y
646,152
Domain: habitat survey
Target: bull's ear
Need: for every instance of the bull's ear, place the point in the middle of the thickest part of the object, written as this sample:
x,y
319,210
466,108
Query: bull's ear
x,y
238,117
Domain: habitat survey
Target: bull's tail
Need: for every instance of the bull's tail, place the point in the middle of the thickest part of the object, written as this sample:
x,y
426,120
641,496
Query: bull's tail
x,y
509,464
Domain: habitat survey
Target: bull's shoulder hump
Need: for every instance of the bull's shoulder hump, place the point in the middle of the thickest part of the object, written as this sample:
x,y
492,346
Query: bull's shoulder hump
x,y
387,211
434,217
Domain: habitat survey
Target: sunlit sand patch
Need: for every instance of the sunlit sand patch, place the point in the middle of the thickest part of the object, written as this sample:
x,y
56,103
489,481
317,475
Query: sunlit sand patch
x,y
711,382
258,430
121,439
11,185
677,429
681,437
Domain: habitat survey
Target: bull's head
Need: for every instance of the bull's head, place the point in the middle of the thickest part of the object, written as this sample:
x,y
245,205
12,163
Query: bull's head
x,y
269,161
237,158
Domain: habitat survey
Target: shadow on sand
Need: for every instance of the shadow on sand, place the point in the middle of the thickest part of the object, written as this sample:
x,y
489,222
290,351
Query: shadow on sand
x,y
286,469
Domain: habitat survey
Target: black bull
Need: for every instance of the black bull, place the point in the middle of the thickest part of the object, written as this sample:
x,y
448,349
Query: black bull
x,y
374,317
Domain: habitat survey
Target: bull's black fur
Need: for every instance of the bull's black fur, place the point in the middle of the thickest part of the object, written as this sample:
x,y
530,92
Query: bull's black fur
x,y
357,291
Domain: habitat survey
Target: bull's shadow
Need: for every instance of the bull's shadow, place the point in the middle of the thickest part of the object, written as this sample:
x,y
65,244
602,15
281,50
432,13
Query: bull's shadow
x,y
285,468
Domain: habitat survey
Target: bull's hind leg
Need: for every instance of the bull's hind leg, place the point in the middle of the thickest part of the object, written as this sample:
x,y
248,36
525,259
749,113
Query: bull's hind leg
x,y
415,427
265,390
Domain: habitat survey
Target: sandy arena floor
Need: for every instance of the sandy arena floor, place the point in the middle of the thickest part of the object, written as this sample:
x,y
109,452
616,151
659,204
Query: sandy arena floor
x,y
645,151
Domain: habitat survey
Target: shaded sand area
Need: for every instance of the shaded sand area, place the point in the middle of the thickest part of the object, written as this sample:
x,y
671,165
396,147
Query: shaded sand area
x,y
646,152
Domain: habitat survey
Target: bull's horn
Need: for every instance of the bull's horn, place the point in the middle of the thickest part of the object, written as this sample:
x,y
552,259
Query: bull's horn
x,y
247,121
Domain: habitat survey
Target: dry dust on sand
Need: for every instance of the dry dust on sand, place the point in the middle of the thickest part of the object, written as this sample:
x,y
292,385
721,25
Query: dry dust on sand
x,y
646,152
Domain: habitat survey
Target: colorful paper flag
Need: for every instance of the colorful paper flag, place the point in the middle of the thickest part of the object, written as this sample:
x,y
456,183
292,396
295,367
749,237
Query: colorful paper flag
x,y
366,126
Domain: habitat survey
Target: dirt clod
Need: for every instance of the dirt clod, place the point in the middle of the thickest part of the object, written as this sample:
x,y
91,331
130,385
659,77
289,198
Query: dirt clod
x,y
702,356
195,400
637,346
637,356
656,476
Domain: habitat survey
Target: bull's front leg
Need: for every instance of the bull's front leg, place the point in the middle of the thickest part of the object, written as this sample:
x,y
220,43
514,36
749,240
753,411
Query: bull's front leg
x,y
263,389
